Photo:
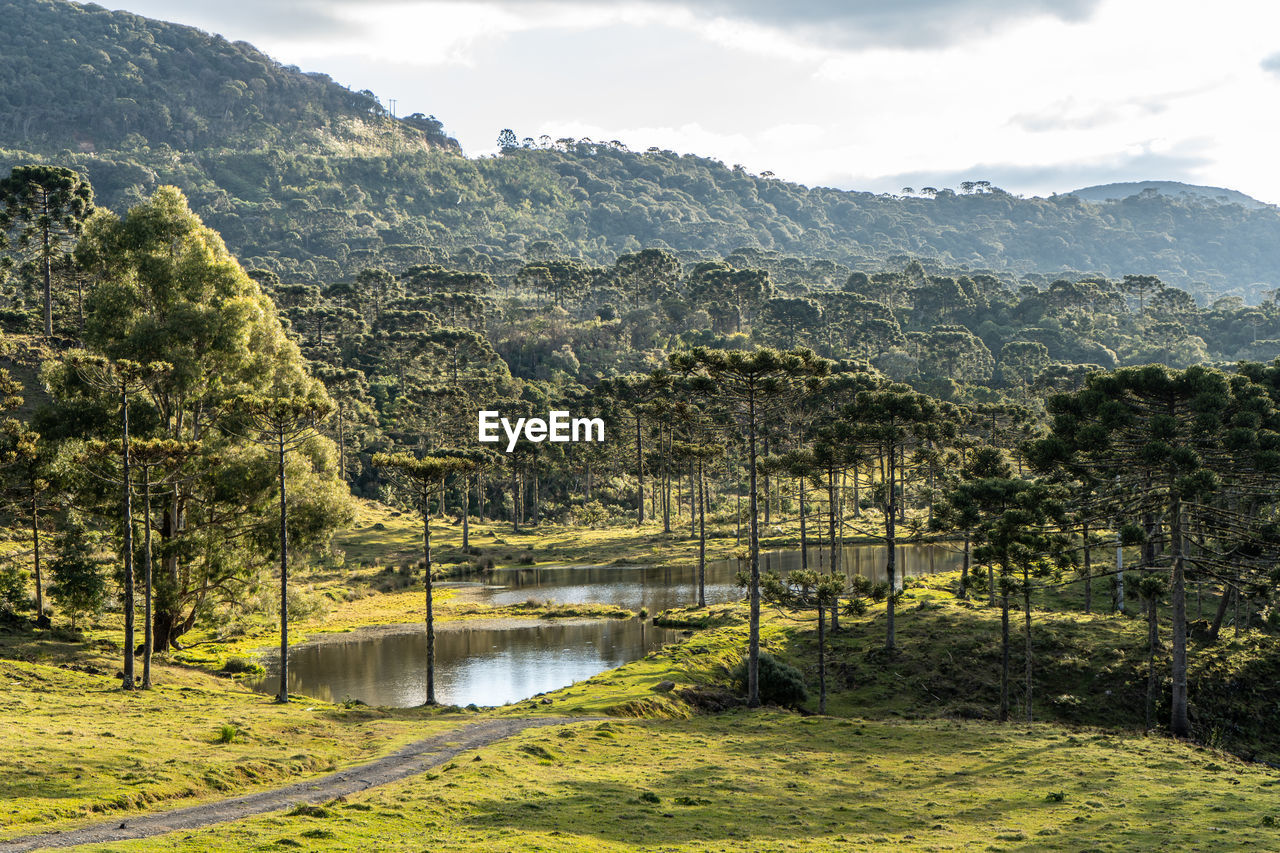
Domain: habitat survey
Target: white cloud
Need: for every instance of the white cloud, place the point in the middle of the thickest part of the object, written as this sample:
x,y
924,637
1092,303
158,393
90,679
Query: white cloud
x,y
1046,97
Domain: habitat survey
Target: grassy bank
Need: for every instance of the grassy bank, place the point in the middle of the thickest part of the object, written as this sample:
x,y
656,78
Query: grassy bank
x,y
385,536
891,768
1088,669
909,757
766,781
77,748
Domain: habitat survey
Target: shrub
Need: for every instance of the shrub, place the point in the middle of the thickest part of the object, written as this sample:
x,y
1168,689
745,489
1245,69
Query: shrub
x,y
305,810
242,665
13,590
780,683
227,733
303,605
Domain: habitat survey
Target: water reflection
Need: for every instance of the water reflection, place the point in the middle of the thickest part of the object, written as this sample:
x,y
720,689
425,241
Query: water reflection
x,y
485,666
493,666
660,588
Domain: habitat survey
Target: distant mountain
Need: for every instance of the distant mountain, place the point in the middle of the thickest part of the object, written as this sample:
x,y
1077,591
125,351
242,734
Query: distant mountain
x,y
315,182
82,78
1173,189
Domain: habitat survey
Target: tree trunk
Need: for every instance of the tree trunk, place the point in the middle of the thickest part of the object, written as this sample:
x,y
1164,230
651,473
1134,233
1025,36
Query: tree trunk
x,y
1153,641
768,492
169,624
1180,723
1119,591
857,495
831,519
964,566
702,537
737,495
466,514
695,492
804,533
666,488
431,624
753,545
1088,570
127,522
639,474
148,635
283,697
991,585
1026,605
515,499
891,539
1004,652
1220,615
342,445
833,504
47,269
822,662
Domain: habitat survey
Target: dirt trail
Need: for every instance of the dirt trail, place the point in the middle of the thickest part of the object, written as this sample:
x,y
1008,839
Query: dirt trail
x,y
414,758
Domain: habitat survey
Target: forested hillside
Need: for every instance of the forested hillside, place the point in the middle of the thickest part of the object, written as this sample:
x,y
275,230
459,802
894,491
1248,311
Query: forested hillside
x,y
316,182
86,79
1126,189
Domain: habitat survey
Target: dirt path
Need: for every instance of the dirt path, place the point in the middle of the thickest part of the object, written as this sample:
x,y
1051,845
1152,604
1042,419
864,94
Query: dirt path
x,y
414,758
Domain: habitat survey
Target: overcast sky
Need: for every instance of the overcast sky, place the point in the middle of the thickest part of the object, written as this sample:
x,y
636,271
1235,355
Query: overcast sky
x,y
1037,96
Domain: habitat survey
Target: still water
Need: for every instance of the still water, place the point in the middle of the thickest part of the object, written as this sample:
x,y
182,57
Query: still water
x,y
658,589
481,665
488,665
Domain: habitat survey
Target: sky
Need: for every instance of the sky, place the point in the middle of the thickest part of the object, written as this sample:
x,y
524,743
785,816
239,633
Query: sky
x,y
1036,96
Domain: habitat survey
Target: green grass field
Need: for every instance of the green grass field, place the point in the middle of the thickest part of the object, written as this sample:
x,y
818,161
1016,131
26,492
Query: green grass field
x,y
765,781
909,756
76,747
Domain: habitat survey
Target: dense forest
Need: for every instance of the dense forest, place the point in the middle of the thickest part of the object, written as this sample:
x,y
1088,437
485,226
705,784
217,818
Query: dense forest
x,y
188,412
740,392
355,187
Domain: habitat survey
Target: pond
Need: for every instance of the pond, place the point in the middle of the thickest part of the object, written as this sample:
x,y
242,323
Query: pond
x,y
658,589
493,662
484,665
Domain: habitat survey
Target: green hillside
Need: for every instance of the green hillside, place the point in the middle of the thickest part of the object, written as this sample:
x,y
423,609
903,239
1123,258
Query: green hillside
x,y
1126,189
315,181
82,78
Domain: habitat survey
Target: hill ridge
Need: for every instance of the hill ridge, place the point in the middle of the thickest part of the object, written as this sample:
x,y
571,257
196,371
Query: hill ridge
x,y
322,183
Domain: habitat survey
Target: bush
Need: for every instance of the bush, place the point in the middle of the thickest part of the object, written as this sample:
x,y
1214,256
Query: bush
x,y
13,590
303,605
227,733
780,683
240,665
